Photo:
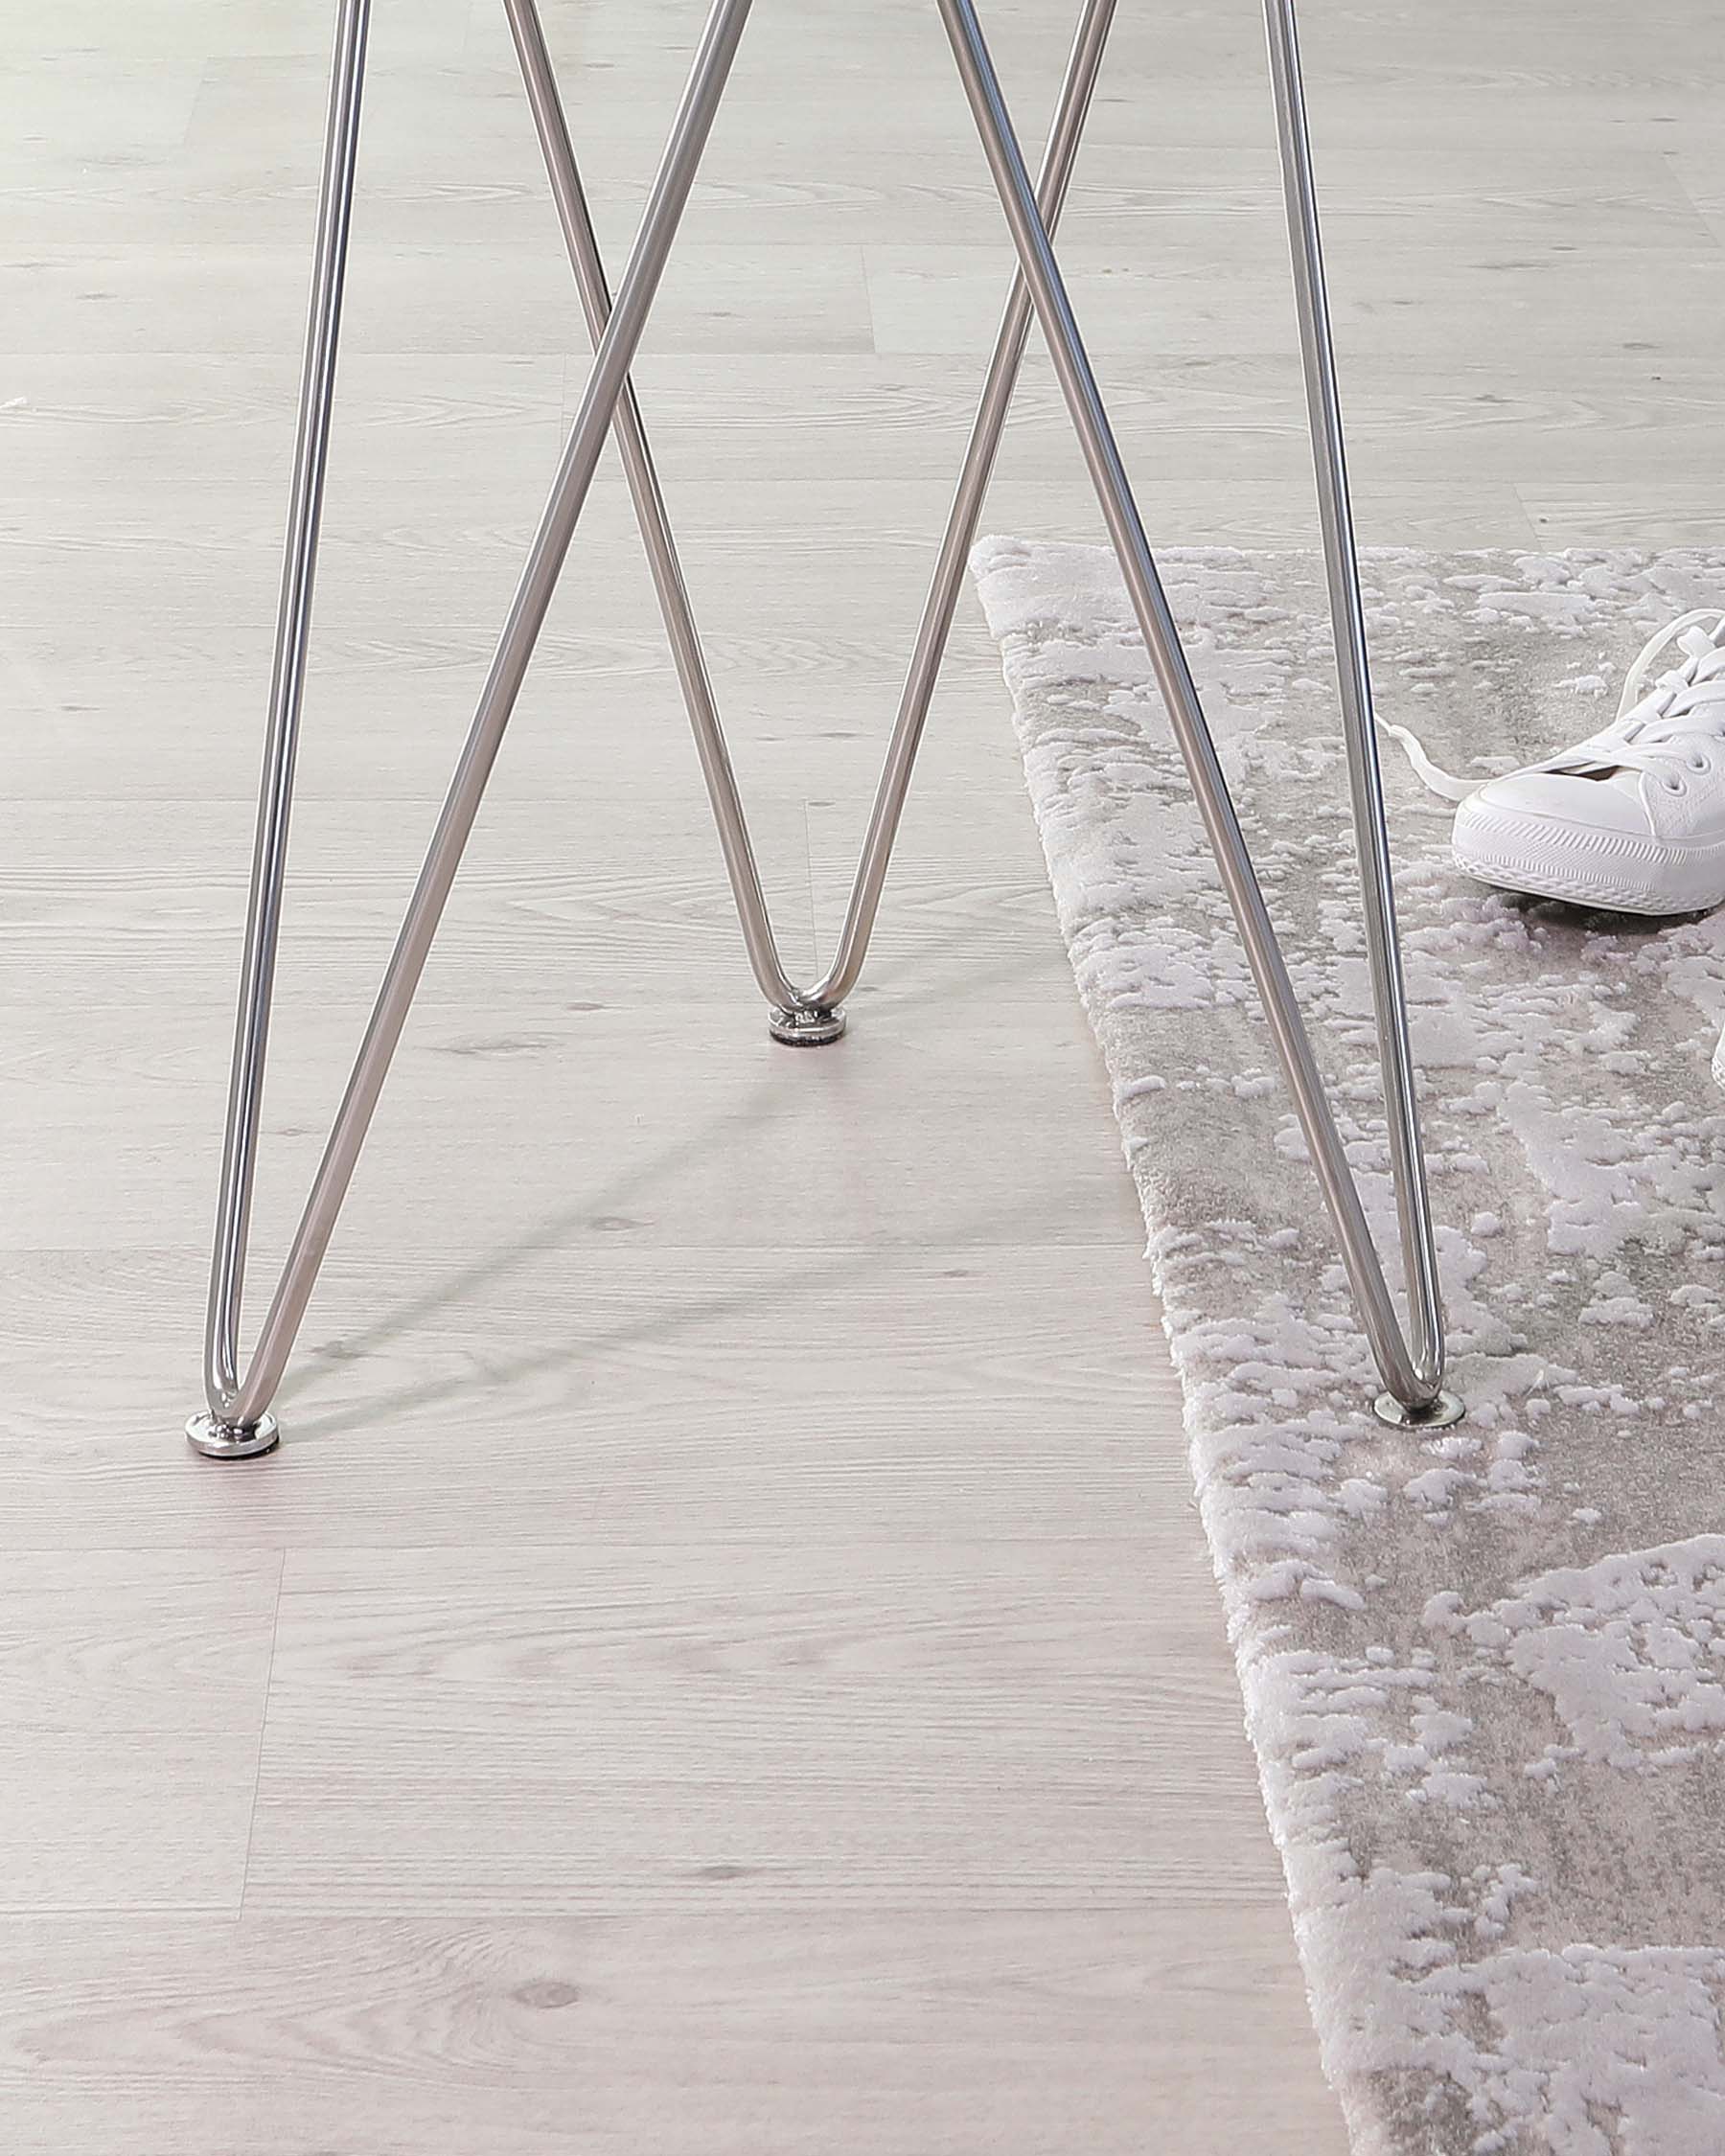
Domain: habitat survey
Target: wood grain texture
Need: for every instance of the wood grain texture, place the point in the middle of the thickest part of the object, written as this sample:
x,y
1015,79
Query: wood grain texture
x,y
981,2033
776,1727
725,1660
645,1394
131,1694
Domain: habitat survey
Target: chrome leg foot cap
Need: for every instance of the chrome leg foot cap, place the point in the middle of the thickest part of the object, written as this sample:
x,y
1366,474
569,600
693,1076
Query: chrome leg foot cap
x,y
233,1440
805,1028
1437,1414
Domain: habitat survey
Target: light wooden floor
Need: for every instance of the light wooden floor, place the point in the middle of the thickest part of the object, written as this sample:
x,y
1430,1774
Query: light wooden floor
x,y
725,1660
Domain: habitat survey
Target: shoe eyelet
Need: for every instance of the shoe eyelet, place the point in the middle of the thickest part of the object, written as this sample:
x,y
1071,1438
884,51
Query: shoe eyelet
x,y
1675,785
1700,764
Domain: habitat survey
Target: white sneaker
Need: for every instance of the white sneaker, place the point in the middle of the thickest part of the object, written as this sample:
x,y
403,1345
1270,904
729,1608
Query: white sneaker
x,y
1633,817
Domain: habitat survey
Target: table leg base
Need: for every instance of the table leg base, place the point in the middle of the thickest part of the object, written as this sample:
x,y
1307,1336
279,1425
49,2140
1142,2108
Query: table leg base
x,y
1438,1413
232,1440
804,1028
1410,1361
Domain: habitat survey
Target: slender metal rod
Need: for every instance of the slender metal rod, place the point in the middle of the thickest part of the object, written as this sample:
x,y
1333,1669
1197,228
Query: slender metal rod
x,y
293,626
946,581
1353,676
1411,1386
584,259
240,1403
953,561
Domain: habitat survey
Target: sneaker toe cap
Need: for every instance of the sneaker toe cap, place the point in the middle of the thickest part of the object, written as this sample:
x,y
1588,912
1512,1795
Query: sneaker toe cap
x,y
1559,797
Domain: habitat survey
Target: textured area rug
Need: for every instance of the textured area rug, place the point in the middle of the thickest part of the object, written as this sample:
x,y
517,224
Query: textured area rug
x,y
1484,1669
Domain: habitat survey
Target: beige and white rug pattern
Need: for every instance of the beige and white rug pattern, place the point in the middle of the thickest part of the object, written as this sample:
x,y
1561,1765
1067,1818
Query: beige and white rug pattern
x,y
1483,1668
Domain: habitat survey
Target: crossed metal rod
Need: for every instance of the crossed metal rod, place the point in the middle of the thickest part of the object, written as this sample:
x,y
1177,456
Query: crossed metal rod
x,y
238,1422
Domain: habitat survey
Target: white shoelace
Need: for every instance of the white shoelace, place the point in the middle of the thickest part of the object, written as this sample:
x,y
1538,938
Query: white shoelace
x,y
1657,723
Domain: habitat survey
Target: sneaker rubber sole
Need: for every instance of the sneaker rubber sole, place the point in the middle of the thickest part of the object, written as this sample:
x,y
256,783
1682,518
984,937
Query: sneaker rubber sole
x,y
1608,869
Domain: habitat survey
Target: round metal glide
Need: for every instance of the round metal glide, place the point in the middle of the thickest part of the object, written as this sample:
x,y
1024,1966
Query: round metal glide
x,y
804,1028
1437,1414
233,1440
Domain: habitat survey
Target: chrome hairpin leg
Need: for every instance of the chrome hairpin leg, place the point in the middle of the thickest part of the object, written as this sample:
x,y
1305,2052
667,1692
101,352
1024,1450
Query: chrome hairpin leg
x,y
583,245
1413,1380
224,1432
810,1016
238,1422
1359,721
